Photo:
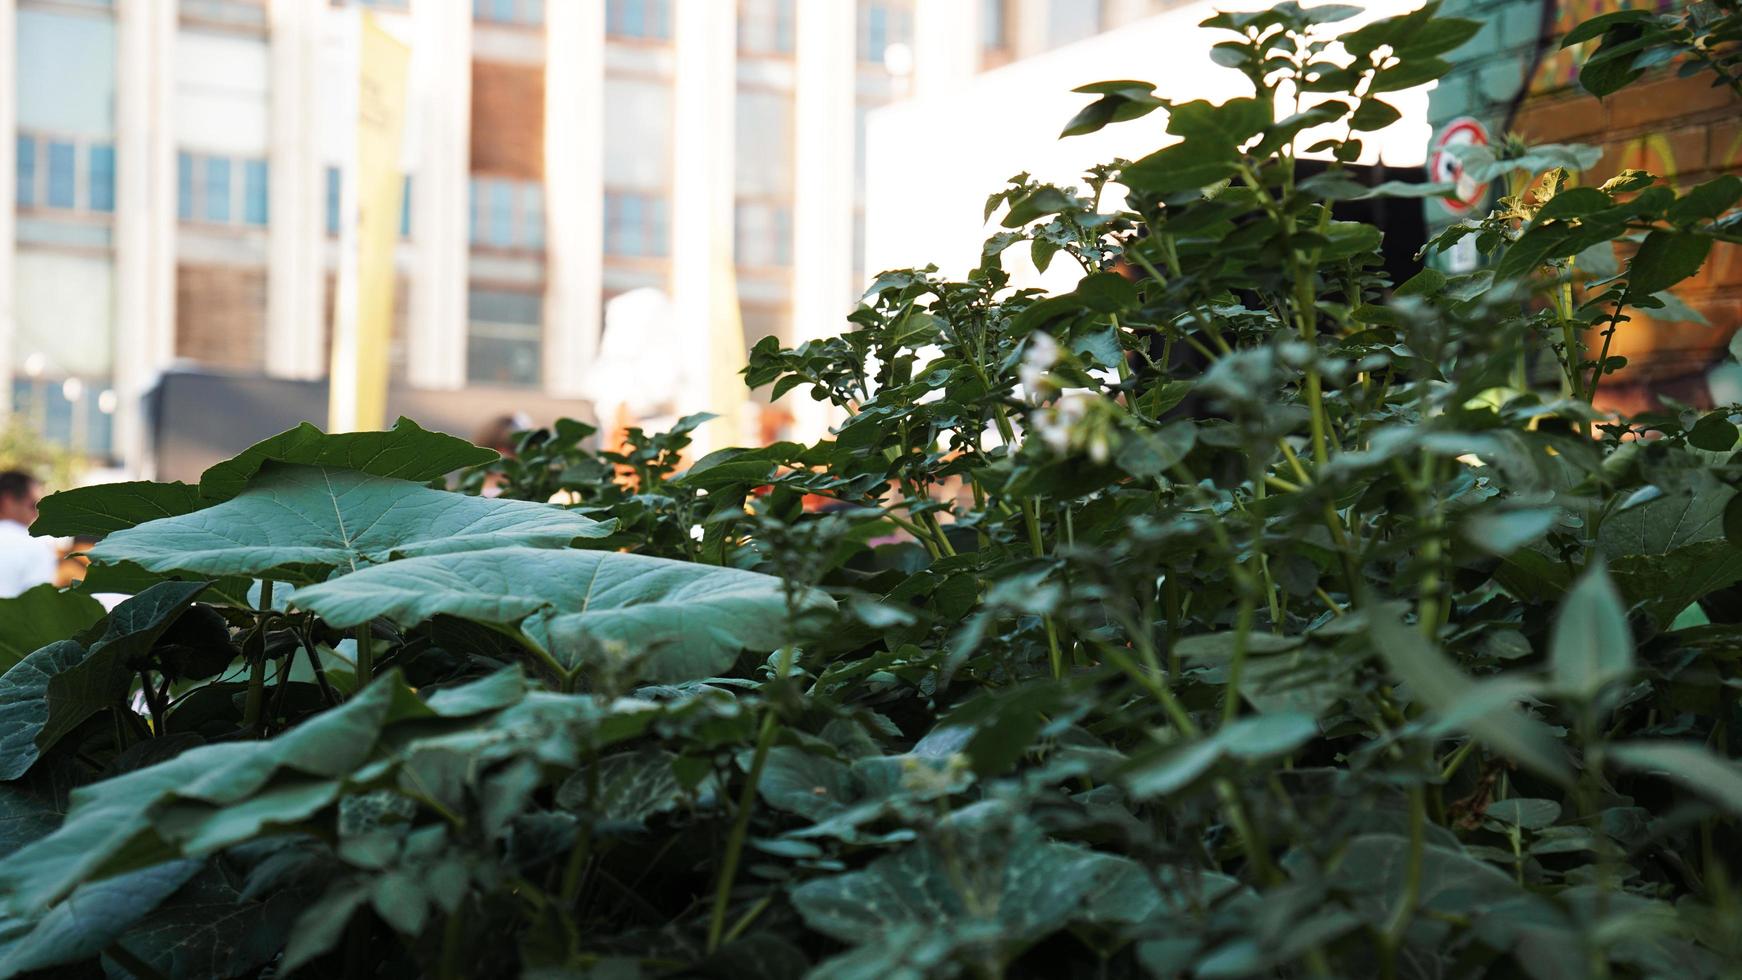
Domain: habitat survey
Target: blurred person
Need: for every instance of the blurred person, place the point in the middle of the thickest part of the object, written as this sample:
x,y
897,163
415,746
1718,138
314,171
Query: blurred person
x,y
499,433
25,561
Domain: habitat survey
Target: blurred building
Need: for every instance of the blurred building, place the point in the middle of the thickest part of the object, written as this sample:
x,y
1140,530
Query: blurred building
x,y
179,179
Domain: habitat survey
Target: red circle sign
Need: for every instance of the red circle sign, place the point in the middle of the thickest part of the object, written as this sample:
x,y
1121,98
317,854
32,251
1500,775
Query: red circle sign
x,y
1444,168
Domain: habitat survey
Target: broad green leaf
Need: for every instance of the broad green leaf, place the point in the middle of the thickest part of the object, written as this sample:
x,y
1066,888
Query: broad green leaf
x,y
47,694
1002,887
689,620
1687,764
1373,114
1181,167
320,926
40,616
1436,683
1526,813
1248,739
1592,645
1596,26
1708,200
94,916
404,452
295,518
94,511
625,788
1119,101
1374,870
213,927
806,783
109,824
1501,532
1714,433
1672,550
1664,259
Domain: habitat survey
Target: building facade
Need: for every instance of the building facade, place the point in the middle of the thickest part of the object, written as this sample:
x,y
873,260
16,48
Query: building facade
x,y
179,180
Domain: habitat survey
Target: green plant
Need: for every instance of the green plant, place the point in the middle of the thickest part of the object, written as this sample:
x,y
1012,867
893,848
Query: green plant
x,y
1250,615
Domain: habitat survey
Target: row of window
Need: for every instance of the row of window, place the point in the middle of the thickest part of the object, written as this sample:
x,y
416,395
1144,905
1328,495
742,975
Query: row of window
x,y
507,214
65,174
762,234
221,190
637,224
882,25
766,26
527,13
649,19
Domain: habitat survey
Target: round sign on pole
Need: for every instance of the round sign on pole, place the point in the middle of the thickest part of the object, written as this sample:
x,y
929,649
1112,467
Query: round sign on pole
x,y
1445,168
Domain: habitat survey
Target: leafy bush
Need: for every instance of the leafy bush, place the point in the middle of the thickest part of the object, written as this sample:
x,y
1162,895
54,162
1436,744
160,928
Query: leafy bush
x,y
1235,613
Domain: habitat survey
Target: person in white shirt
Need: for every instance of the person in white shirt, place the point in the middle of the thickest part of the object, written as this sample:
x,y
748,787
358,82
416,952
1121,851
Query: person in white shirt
x,y
25,561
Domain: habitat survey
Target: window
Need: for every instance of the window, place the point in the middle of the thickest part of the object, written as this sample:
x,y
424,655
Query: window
x,y
765,143
26,150
762,234
504,337
1072,20
638,18
62,175
184,186
217,190
100,164
882,23
765,26
254,192
223,190
507,214
636,224
333,200
405,208
994,25
527,13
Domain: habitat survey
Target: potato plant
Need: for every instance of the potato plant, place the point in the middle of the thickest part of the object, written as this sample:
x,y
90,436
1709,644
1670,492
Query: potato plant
x,y
1239,612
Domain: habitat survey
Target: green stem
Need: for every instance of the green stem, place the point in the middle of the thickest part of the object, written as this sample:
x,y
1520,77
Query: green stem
x,y
746,803
256,652
365,655
1242,631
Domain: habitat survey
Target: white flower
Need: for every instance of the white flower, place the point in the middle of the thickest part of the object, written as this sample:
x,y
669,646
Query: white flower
x,y
1037,360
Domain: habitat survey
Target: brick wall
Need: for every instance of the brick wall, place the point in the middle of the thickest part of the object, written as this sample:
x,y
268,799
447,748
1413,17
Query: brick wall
x,y
1681,129
220,315
508,120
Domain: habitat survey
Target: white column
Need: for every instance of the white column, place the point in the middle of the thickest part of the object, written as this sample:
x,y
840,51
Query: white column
x,y
822,274
703,175
145,216
8,177
574,191
295,305
946,45
441,84
1029,26
1118,13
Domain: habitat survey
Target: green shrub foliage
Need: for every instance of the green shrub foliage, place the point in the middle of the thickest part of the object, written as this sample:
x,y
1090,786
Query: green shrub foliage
x,y
1236,613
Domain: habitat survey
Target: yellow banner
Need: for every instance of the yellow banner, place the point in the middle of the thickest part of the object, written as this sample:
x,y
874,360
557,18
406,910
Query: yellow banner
x,y
358,393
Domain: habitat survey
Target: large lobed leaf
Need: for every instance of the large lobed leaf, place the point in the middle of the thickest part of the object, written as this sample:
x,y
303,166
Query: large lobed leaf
x,y
690,620
47,694
295,518
405,452
40,616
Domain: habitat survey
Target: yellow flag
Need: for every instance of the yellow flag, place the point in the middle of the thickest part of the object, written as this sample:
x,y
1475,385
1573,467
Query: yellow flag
x,y
357,398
